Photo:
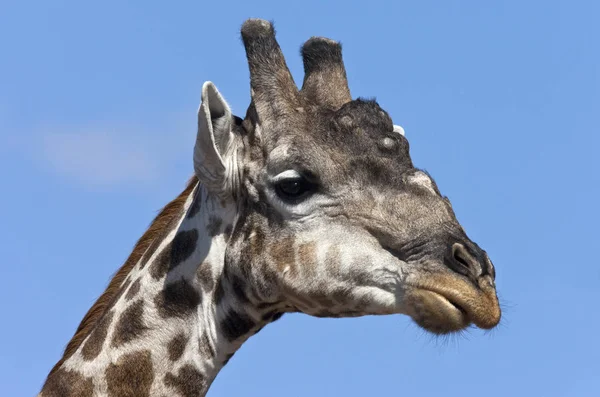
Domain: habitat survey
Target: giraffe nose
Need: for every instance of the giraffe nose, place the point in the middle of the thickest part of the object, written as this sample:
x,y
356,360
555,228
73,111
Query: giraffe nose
x,y
472,263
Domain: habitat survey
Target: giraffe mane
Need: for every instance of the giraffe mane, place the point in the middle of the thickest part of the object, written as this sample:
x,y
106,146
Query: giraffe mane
x,y
105,301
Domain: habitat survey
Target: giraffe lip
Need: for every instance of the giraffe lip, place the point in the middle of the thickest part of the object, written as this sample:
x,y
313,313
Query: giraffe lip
x,y
448,300
452,302
474,306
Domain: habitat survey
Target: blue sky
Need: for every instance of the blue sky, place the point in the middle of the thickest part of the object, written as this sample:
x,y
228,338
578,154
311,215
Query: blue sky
x,y
500,102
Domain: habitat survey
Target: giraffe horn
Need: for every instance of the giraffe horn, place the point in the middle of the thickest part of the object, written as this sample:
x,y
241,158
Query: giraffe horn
x,y
274,92
325,81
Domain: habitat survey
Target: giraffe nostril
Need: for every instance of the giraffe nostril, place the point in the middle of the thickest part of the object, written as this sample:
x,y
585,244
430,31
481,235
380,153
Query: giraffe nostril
x,y
463,262
458,252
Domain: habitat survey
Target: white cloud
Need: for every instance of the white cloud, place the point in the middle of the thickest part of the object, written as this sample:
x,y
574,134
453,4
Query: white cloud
x,y
115,153
100,158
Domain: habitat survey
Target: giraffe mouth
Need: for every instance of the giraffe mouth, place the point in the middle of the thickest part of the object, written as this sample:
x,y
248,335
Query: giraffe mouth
x,y
456,305
436,313
444,305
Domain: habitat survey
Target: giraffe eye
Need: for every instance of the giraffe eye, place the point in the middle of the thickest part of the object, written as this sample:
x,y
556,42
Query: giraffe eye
x,y
293,189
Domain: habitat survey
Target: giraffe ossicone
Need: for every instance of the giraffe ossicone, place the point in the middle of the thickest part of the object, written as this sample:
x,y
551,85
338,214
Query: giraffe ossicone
x,y
310,204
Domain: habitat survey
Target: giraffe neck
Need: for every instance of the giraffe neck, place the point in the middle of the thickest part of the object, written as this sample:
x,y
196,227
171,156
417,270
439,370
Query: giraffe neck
x,y
178,318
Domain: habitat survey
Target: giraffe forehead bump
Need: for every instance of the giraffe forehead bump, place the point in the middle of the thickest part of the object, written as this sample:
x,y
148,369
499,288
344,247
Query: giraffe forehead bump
x,y
280,152
399,130
421,179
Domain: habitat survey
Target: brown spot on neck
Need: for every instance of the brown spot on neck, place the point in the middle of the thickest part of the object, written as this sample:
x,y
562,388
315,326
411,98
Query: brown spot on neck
x,y
131,376
181,248
133,290
93,346
235,325
189,382
214,226
63,383
130,325
205,276
177,346
178,299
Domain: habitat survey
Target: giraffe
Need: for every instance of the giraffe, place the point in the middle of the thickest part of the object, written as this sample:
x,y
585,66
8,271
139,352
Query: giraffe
x,y
309,204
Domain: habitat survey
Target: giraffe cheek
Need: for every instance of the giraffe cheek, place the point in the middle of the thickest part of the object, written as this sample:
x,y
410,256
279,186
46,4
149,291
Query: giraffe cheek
x,y
307,258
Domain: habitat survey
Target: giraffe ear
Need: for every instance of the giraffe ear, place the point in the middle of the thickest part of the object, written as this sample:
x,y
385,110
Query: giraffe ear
x,y
214,140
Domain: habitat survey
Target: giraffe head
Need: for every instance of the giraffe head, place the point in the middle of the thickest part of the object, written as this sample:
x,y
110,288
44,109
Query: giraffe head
x,y
332,217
